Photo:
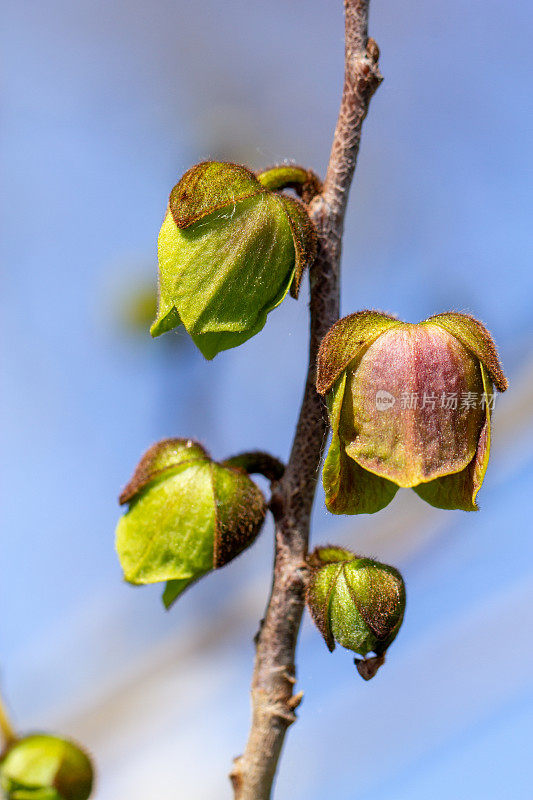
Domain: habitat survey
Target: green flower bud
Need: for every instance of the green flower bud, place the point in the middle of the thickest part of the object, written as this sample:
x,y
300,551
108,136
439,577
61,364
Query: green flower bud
x,y
43,767
229,250
187,515
355,602
409,406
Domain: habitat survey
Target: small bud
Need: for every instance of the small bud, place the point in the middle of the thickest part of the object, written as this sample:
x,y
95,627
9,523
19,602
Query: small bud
x,y
410,406
229,250
187,515
43,767
356,602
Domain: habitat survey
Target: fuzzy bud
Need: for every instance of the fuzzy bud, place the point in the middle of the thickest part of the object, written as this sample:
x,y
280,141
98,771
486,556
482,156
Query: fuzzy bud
x,y
43,767
187,515
355,602
230,248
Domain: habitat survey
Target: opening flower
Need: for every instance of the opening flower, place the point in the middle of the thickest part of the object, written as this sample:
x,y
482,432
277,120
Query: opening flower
x,y
410,406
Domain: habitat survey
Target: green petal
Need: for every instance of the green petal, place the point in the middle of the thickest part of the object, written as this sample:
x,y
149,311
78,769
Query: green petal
x,y
208,187
229,249
167,317
168,532
407,442
476,338
334,400
318,598
174,589
161,457
187,516
240,512
349,488
347,623
224,274
459,491
305,241
379,592
345,341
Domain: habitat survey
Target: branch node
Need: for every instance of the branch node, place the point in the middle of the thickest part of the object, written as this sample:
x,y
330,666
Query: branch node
x,y
258,632
276,503
372,50
284,712
236,775
295,701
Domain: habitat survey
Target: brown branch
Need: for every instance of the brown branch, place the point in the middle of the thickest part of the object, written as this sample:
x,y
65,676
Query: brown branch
x,y
273,701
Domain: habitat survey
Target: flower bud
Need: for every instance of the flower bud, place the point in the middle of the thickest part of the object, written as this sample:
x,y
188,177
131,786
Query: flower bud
x,y
355,602
409,406
187,515
229,250
43,767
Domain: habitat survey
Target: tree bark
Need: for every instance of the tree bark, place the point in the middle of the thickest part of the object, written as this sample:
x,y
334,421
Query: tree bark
x,y
273,698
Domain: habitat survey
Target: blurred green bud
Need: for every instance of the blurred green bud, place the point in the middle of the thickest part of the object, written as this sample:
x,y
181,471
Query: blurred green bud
x,y
43,767
187,515
138,307
229,250
409,406
355,602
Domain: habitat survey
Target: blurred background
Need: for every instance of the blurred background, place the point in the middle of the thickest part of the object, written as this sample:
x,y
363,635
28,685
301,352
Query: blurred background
x,y
106,104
